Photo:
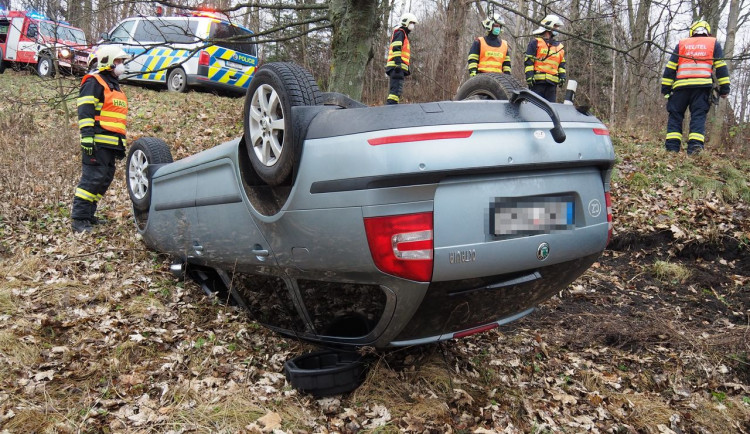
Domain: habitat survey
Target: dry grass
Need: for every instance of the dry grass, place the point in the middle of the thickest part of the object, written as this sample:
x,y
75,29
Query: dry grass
x,y
670,272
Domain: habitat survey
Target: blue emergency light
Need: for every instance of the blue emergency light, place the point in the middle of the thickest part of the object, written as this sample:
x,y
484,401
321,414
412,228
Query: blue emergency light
x,y
36,15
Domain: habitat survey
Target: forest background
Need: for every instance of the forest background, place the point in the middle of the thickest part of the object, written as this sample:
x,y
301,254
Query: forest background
x,y
615,49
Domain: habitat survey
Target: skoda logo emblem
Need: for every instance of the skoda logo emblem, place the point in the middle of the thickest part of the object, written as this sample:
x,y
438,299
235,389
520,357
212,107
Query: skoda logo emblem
x,y
542,251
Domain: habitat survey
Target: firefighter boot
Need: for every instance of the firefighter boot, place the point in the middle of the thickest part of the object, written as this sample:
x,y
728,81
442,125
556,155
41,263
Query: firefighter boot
x,y
81,226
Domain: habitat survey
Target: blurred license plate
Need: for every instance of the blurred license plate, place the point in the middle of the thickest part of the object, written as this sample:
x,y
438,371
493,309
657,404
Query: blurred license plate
x,y
81,59
534,215
234,65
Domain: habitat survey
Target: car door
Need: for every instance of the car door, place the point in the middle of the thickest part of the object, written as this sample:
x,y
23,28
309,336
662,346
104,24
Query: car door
x,y
227,234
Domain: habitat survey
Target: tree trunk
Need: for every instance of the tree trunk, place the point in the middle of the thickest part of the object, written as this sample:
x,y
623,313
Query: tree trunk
x,y
447,74
354,23
716,122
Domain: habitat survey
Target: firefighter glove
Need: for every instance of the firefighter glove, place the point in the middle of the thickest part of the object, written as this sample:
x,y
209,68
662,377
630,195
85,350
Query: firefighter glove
x,y
667,95
530,81
472,73
87,148
562,82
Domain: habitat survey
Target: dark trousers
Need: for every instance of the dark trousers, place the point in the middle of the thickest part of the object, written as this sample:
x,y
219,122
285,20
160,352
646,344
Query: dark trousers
x,y
97,173
697,99
546,90
395,89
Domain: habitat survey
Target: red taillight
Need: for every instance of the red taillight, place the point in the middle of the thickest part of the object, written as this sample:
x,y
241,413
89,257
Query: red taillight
x,y
601,131
204,58
401,245
608,201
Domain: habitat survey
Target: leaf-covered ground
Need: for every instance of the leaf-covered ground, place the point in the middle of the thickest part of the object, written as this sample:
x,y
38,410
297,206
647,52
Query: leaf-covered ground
x,y
97,336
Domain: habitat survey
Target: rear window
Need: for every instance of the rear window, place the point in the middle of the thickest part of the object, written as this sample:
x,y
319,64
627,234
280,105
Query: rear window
x,y
177,31
232,37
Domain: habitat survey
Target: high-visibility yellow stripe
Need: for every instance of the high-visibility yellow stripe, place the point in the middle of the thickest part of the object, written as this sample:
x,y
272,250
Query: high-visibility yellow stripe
x,y
87,122
110,114
85,195
88,139
696,136
108,140
87,100
674,135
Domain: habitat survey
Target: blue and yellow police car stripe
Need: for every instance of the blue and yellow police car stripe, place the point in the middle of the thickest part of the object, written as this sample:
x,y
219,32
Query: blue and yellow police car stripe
x,y
218,72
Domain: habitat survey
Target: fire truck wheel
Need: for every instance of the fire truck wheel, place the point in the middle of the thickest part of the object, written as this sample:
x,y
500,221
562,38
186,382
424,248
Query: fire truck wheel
x,y
45,68
2,63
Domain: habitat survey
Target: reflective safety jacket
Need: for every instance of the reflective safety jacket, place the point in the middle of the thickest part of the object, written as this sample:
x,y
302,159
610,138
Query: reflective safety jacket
x,y
545,61
489,54
102,111
399,52
692,64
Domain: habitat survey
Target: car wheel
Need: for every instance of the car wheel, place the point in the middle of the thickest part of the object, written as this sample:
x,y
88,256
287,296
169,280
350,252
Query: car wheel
x,y
177,80
45,68
488,86
273,91
144,152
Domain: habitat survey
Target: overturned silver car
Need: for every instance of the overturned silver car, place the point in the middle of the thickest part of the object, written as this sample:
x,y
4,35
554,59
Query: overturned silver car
x,y
352,226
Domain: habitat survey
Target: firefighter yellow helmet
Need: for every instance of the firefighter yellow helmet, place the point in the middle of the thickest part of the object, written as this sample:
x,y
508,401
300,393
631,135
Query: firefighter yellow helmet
x,y
549,23
700,28
107,55
407,19
490,21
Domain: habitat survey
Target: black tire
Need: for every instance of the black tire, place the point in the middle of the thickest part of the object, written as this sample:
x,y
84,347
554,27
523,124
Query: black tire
x,y
275,88
177,80
45,68
489,86
144,152
2,62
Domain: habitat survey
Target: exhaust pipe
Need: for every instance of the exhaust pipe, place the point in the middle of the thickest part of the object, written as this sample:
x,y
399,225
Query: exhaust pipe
x,y
178,269
570,92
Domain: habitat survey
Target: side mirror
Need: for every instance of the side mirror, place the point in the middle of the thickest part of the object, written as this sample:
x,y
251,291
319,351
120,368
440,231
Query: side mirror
x,y
104,36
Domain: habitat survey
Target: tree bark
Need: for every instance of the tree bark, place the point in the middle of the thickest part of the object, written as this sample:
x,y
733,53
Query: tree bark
x,y
354,22
716,122
447,74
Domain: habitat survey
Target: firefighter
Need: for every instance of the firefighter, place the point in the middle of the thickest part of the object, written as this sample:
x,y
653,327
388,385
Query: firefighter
x,y
399,56
102,112
687,82
545,59
490,53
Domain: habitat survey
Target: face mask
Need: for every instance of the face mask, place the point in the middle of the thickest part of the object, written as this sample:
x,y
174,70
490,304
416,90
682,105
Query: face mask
x,y
410,26
496,31
119,69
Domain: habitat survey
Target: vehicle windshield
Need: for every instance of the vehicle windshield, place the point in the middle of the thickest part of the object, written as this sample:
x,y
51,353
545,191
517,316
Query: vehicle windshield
x,y
60,32
232,37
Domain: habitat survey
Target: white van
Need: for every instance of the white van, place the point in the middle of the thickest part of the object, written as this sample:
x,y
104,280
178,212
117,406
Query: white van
x,y
183,51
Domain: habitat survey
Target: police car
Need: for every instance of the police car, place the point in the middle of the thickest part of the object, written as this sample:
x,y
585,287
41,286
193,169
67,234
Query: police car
x,y
200,50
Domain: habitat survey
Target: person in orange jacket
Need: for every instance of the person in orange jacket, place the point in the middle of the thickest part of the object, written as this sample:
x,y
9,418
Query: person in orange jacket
x,y
687,82
102,119
490,53
399,58
545,60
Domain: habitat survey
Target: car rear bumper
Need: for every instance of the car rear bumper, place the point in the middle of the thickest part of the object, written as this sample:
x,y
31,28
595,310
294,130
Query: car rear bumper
x,y
449,308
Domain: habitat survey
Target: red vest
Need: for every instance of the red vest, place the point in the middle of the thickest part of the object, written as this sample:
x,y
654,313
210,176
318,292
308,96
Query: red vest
x,y
696,58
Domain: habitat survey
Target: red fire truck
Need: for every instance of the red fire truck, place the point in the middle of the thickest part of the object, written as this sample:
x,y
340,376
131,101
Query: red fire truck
x,y
31,39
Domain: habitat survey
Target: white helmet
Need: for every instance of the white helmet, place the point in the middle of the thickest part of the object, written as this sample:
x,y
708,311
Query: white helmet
x,y
494,19
107,54
407,19
549,23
